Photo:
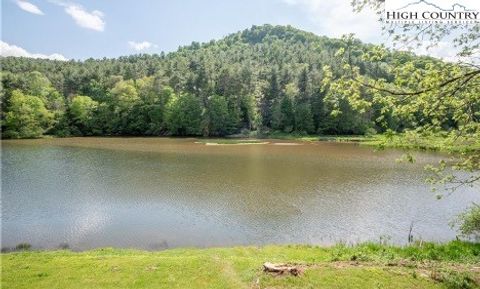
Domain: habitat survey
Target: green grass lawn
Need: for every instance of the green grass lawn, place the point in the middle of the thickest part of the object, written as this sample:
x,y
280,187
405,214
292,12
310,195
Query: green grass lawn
x,y
452,265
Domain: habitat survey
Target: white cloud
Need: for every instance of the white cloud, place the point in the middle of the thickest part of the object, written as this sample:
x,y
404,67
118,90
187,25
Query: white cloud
x,y
139,46
12,50
91,20
29,7
336,17
443,49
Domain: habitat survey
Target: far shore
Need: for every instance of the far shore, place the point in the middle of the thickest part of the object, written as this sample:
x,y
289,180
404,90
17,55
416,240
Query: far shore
x,y
380,141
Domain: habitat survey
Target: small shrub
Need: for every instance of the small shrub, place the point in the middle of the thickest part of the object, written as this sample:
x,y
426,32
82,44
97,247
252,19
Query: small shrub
x,y
469,222
370,131
338,252
64,246
455,280
23,247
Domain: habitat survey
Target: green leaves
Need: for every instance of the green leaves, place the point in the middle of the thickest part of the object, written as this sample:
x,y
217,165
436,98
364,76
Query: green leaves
x,y
82,110
468,222
27,116
184,115
217,116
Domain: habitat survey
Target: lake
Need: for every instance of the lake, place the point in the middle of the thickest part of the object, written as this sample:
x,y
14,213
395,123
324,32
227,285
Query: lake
x,y
157,193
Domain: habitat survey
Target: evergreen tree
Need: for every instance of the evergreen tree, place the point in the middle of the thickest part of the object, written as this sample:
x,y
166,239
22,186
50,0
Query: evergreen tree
x,y
271,92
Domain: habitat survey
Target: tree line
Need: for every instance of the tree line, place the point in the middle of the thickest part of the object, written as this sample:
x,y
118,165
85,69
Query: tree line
x,y
264,79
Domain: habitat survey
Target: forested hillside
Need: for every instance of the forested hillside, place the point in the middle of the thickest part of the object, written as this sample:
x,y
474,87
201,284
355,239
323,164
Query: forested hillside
x,y
264,79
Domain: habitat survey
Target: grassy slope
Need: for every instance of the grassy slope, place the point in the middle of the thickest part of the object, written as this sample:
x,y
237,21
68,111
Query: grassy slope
x,y
374,266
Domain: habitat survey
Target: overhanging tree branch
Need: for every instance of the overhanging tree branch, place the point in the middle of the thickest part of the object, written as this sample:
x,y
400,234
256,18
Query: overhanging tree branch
x,y
467,76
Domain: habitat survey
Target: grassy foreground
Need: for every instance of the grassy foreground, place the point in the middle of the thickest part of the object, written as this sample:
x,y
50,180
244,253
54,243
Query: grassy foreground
x,y
452,265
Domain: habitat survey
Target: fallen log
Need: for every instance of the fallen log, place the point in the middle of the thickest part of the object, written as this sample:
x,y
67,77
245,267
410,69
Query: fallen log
x,y
281,268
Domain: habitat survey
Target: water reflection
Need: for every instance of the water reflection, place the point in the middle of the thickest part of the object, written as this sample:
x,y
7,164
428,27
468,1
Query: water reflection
x,y
157,193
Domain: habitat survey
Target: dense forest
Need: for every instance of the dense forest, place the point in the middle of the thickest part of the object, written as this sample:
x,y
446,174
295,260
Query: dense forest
x,y
261,80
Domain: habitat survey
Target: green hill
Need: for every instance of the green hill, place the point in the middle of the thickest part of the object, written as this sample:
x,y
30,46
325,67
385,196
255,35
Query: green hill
x,y
264,79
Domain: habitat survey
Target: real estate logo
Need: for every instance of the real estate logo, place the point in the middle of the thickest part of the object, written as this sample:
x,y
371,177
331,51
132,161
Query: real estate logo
x,y
425,11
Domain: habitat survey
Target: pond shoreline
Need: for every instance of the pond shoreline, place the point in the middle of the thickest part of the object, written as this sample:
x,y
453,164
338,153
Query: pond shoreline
x,y
193,194
397,141
419,265
180,265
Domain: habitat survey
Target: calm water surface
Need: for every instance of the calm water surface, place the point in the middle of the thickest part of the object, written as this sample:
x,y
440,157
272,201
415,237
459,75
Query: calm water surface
x,y
156,193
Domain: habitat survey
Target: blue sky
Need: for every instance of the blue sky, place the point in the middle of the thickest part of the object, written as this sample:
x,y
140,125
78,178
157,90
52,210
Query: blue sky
x,y
87,28
80,29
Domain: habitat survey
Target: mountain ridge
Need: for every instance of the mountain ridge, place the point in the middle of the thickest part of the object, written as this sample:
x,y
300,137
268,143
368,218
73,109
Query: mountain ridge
x,y
283,32
265,78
